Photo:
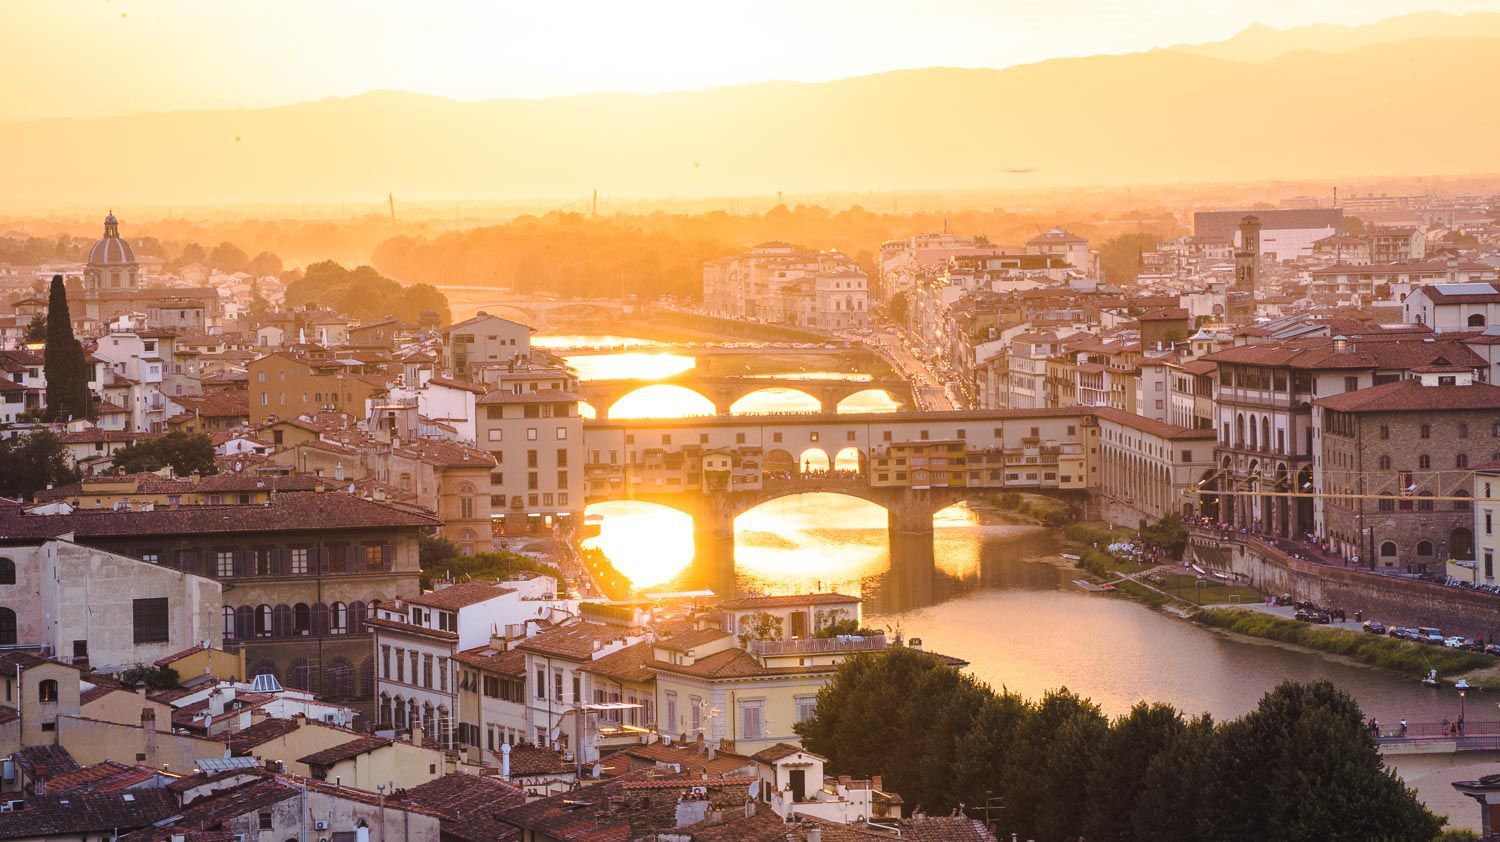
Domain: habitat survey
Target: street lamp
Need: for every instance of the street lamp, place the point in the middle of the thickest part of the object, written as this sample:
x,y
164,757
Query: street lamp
x,y
1462,685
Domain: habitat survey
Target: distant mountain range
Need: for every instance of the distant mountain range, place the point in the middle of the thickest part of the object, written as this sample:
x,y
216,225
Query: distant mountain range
x,y
1406,96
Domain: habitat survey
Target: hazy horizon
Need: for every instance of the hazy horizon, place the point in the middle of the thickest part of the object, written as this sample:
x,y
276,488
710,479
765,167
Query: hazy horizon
x,y
126,58
1267,105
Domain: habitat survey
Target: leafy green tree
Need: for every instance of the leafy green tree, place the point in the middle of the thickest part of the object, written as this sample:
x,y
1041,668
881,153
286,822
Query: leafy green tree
x,y
1168,533
191,253
36,331
186,453
1120,764
499,565
65,365
1298,767
152,677
228,257
264,264
31,463
1170,805
898,308
1120,257
364,293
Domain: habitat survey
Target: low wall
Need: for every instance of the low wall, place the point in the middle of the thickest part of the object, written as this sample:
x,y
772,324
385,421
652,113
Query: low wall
x,y
1392,600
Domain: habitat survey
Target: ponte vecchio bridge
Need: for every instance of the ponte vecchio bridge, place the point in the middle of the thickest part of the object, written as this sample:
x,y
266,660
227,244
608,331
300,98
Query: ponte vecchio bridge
x,y
714,468
725,391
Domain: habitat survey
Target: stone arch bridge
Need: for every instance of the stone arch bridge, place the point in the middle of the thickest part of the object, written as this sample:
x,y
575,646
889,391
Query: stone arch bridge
x,y
725,391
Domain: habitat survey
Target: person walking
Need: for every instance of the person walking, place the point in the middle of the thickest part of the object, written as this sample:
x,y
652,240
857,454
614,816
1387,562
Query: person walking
x,y
1403,727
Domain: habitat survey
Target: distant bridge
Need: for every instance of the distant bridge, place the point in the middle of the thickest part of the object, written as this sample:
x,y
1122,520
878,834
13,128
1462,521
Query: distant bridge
x,y
724,392
529,310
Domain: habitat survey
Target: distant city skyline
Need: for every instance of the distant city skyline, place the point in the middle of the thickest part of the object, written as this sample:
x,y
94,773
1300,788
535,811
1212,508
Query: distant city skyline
x,y
114,58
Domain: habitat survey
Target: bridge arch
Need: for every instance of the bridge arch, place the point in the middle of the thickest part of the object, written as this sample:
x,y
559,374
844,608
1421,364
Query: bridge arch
x,y
870,400
814,460
662,400
773,400
850,460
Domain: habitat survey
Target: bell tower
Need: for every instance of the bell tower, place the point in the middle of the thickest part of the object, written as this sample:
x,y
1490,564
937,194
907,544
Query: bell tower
x,y
1247,256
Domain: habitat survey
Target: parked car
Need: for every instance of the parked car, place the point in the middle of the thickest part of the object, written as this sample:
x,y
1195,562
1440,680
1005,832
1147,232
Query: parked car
x,y
1374,627
1401,633
1430,635
1492,649
1456,642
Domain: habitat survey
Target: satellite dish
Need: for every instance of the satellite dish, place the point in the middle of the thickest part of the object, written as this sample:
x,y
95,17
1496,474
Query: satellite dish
x,y
754,790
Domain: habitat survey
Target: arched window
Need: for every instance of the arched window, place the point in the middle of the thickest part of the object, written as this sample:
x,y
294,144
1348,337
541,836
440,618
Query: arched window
x,y
466,542
1461,460
301,620
1388,549
1476,320
265,668
1385,463
338,618
338,679
1463,431
357,615
228,613
1462,505
367,676
7,627
263,625
1424,548
7,571
46,691
1424,461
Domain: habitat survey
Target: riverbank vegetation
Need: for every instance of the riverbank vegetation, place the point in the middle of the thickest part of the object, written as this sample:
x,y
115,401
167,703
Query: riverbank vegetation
x,y
441,560
1300,766
1403,656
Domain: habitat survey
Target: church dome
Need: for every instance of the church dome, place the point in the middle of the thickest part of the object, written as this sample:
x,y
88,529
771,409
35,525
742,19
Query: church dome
x,y
111,249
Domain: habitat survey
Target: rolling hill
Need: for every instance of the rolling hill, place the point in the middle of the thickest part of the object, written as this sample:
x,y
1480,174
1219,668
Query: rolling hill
x,y
1173,115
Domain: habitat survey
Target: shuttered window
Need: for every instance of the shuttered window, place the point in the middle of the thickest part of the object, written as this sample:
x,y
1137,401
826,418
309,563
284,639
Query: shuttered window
x,y
150,620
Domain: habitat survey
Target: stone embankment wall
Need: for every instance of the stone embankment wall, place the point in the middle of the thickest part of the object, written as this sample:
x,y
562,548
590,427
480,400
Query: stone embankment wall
x,y
1393,600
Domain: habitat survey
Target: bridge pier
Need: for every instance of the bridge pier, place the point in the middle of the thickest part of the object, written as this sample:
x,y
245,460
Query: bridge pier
x,y
713,544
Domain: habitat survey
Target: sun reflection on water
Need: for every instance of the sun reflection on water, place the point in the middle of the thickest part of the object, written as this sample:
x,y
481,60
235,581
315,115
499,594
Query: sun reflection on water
x,y
793,544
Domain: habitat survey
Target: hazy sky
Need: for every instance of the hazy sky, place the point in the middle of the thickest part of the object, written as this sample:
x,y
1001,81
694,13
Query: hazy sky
x,y
79,58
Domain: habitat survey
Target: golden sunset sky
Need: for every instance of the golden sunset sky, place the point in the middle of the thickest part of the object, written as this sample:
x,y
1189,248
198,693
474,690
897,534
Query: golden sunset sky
x,y
89,58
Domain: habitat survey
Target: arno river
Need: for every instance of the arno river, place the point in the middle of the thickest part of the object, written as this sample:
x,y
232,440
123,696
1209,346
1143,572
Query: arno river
x,y
997,595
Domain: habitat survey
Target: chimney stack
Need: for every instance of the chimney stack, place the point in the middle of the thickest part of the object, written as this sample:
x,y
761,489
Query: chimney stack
x,y
505,761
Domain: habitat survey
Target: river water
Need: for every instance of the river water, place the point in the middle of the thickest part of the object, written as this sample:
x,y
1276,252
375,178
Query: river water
x,y
998,595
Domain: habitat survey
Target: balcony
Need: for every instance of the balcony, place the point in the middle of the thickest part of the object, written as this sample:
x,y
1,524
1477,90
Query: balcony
x,y
819,645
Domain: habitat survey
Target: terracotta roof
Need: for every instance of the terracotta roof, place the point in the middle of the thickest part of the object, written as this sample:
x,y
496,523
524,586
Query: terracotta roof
x,y
787,601
575,640
527,760
107,776
86,813
264,731
780,751
628,664
689,640
509,662
411,628
45,761
735,663
539,396
1150,426
449,382
1412,396
1366,352
691,757
344,751
299,511
469,806
460,595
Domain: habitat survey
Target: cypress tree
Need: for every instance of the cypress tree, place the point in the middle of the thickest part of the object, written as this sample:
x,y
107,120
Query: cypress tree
x,y
65,366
